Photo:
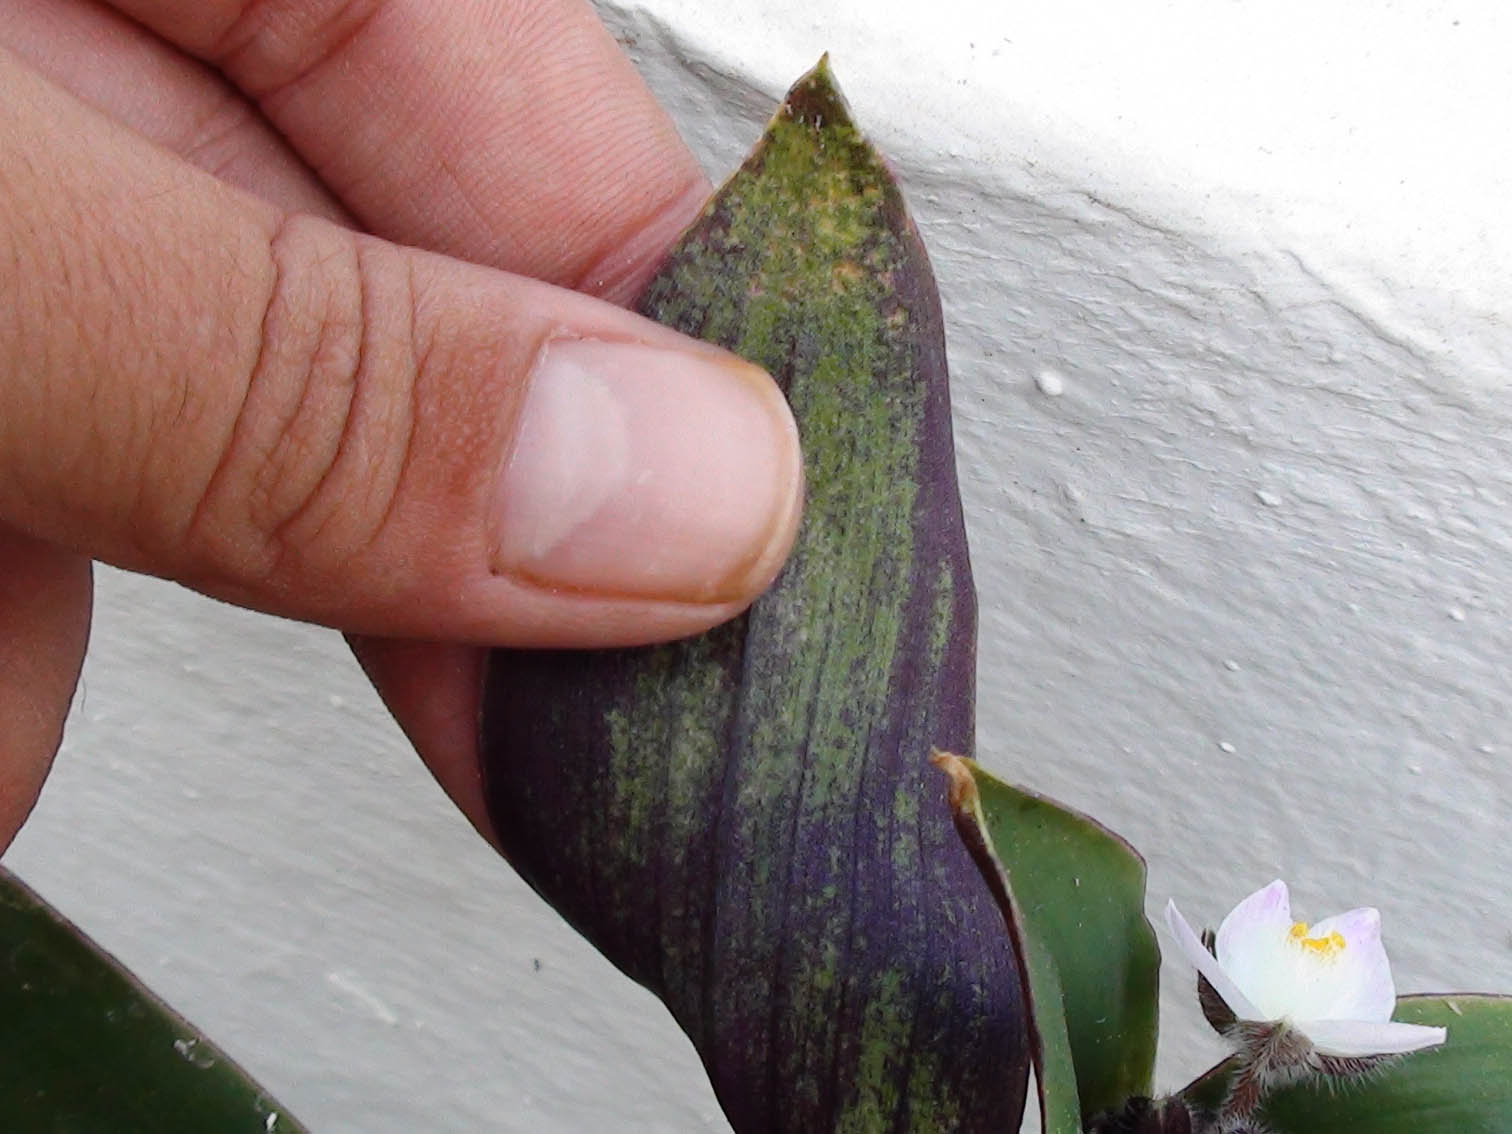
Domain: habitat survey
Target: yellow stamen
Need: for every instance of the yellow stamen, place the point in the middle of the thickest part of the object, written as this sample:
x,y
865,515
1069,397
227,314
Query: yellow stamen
x,y
1327,946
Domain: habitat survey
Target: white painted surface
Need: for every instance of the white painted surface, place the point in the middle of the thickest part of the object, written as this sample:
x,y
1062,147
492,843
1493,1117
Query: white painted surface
x,y
1226,288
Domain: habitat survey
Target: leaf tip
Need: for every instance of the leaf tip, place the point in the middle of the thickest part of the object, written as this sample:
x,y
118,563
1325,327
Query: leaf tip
x,y
815,99
964,797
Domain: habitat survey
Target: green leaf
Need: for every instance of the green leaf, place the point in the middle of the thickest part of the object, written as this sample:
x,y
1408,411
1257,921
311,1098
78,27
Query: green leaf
x,y
1072,895
746,822
85,1048
1462,1087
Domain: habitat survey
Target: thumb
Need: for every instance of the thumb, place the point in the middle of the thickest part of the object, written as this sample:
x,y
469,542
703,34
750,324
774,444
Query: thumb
x,y
308,421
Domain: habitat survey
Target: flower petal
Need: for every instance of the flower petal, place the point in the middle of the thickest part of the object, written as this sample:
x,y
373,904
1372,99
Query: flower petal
x,y
1255,949
1192,946
1359,980
1369,1037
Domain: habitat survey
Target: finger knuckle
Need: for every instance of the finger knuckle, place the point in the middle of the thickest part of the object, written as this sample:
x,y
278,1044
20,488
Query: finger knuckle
x,y
273,45
311,471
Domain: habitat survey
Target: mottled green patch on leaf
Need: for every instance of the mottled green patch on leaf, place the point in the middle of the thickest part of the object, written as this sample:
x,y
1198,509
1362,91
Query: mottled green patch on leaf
x,y
746,822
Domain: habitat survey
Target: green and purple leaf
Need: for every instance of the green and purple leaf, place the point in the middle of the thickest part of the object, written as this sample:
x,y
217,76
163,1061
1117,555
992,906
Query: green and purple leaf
x,y
84,1047
1463,1087
1072,896
746,822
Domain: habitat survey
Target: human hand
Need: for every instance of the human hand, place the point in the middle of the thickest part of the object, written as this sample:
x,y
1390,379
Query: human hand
x,y
215,367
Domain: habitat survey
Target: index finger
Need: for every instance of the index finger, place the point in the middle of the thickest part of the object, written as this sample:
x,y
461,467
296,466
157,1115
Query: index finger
x,y
508,132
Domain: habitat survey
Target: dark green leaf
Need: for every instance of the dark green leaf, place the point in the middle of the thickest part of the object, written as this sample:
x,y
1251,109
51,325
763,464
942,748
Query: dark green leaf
x,y
746,822
1072,894
85,1048
1463,1087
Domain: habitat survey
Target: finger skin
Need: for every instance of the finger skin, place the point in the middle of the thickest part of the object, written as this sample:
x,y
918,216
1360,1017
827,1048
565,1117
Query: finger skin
x,y
433,689
45,592
508,132
183,105
45,595
268,407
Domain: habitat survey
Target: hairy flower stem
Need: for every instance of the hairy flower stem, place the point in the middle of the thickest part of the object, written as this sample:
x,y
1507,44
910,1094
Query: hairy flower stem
x,y
1270,1056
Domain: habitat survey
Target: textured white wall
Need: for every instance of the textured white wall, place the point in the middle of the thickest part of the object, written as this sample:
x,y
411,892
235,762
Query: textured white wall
x,y
1226,289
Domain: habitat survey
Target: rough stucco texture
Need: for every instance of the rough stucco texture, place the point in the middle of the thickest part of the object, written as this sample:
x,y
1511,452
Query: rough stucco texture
x,y
1239,508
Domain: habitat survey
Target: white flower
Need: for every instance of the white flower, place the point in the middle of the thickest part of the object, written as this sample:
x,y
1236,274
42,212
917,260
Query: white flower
x,y
1331,981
